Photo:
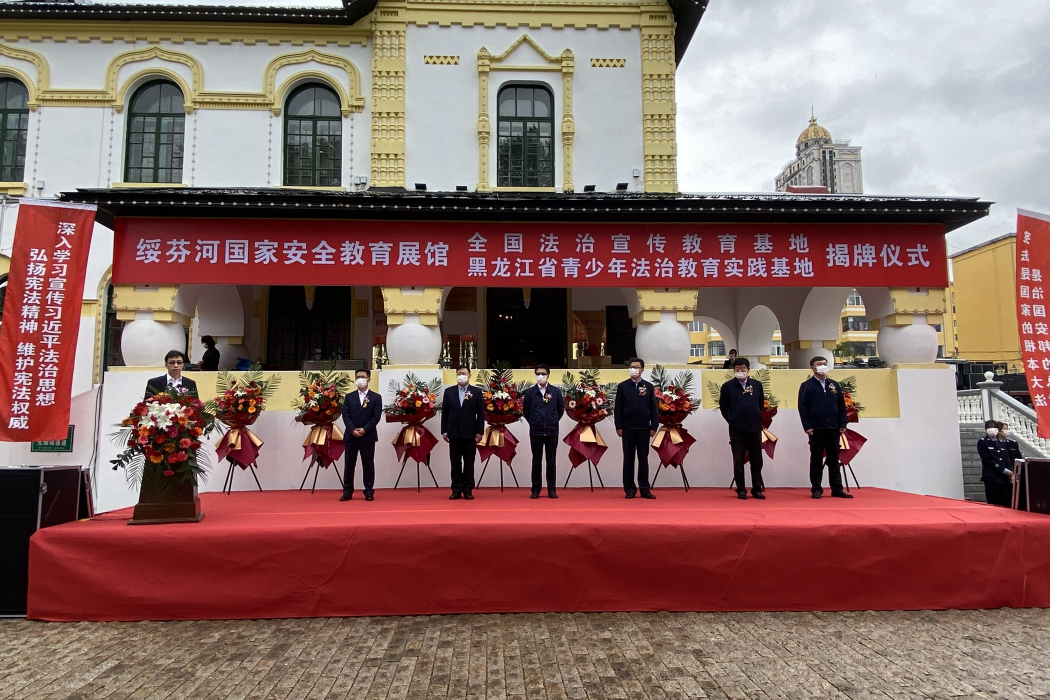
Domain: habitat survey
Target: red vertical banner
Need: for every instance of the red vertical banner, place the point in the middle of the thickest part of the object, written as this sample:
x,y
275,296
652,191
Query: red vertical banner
x,y
41,321
1033,322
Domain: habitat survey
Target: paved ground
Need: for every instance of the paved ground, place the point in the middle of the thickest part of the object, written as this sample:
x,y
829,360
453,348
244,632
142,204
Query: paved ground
x,y
999,653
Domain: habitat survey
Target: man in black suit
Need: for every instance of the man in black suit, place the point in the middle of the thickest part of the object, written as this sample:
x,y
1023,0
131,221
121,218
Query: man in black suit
x,y
822,408
361,412
462,426
636,420
174,361
740,401
542,409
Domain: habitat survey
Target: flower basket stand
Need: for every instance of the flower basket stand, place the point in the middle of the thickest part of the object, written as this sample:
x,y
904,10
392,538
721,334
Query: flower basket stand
x,y
502,464
680,468
592,469
227,485
316,465
426,461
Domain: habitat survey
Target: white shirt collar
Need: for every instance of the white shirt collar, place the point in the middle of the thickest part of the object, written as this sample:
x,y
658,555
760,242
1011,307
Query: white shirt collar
x,y
172,381
362,392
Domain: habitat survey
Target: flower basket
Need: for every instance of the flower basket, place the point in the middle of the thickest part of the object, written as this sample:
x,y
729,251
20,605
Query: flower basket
x,y
674,403
588,403
849,395
161,437
241,403
319,405
414,403
504,402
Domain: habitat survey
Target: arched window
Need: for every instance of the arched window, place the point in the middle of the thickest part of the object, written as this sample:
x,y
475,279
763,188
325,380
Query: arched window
x,y
313,138
14,129
525,152
156,124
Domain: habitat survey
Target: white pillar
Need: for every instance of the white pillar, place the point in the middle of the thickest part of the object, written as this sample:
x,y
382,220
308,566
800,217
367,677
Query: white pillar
x,y
412,343
145,341
664,342
915,343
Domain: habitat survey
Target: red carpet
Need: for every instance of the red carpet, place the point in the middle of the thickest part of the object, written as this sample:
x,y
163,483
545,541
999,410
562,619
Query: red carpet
x,y
290,554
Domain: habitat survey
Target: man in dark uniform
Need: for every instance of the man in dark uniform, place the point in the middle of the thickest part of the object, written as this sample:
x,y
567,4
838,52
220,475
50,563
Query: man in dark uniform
x,y
462,426
996,466
740,401
636,420
542,409
362,410
730,359
174,361
822,408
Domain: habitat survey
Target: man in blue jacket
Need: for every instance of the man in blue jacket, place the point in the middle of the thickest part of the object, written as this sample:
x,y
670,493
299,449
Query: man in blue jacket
x,y
822,408
636,419
741,400
462,426
361,412
542,409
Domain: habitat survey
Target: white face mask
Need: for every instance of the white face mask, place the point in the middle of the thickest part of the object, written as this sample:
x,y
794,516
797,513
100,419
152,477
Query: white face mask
x,y
462,379
822,370
541,379
740,375
992,432
361,382
635,372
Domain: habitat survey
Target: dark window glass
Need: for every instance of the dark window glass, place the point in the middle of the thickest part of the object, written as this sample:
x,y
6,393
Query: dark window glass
x,y
14,129
156,127
313,138
296,333
525,145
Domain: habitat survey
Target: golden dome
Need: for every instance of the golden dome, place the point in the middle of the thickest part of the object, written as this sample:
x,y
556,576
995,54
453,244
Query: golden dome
x,y
813,132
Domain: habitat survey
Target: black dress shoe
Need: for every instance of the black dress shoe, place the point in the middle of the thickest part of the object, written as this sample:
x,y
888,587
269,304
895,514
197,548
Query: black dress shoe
x,y
650,496
468,497
454,497
535,495
345,497
759,495
552,495
742,495
841,494
630,495
369,497
816,494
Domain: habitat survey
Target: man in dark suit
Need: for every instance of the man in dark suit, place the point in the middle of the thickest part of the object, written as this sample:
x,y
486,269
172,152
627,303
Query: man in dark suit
x,y
361,412
542,409
822,408
462,426
174,361
636,420
740,401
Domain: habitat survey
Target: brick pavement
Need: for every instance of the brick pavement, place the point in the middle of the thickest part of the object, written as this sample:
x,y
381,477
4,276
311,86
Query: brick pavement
x,y
887,655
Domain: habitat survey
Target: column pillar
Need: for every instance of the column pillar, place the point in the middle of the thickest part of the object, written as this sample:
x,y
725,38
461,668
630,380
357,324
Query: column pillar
x,y
389,27
413,337
908,336
152,326
662,319
800,352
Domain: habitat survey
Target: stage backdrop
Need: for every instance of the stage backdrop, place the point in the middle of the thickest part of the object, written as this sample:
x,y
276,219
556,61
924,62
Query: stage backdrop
x,y
41,321
1033,264
291,251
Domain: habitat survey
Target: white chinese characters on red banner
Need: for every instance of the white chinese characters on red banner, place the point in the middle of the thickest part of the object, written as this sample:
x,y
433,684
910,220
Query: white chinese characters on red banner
x,y
1033,263
41,320
248,251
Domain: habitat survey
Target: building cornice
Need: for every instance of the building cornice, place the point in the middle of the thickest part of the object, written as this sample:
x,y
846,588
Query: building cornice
x,y
398,204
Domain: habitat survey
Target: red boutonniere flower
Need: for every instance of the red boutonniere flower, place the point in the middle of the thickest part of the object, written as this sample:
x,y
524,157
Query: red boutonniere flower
x,y
749,389
467,395
364,404
547,397
642,390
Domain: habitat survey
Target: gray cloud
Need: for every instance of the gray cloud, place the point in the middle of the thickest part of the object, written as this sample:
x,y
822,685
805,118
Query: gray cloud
x,y
945,97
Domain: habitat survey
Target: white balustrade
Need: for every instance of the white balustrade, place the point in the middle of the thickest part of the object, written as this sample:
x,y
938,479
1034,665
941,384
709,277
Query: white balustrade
x,y
970,406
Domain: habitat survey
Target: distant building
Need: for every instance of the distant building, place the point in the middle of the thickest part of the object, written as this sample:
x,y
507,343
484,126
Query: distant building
x,y
983,304
821,162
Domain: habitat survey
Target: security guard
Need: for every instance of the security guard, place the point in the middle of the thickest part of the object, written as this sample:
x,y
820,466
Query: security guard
x,y
822,408
996,466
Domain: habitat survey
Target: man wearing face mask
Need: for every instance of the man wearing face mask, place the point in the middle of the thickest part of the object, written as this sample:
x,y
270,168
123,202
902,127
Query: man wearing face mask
x,y
636,419
361,412
822,408
740,401
462,426
542,409
996,466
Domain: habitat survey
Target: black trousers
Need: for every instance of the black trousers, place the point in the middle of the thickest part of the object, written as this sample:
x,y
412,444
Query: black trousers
x,y
999,494
635,444
747,446
462,452
824,440
541,444
367,450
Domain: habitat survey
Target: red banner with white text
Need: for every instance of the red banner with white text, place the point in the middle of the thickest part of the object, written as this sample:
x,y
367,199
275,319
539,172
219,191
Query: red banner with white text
x,y
1033,264
419,253
41,320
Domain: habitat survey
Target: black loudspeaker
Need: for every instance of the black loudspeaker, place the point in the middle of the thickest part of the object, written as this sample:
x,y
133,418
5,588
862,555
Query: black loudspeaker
x,y
1032,485
31,498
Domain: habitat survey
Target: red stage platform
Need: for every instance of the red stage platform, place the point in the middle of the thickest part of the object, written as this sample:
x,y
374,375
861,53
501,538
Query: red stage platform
x,y
292,554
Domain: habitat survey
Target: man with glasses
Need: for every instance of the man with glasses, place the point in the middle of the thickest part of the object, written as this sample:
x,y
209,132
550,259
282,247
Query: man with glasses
x,y
174,361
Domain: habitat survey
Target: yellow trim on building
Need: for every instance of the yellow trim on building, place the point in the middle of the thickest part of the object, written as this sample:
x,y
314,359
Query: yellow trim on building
x,y
658,98
389,30
13,189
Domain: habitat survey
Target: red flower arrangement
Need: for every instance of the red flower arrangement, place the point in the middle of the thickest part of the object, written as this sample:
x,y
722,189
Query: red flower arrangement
x,y
503,399
674,399
414,402
240,404
586,401
161,437
319,404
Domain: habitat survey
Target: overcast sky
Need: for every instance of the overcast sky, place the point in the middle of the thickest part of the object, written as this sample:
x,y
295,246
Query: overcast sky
x,y
946,98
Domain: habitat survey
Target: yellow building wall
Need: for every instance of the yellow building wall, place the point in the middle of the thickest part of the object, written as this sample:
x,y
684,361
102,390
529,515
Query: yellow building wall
x,y
985,313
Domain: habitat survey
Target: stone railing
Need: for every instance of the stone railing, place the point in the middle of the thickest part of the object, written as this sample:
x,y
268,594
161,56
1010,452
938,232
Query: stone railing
x,y
990,403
